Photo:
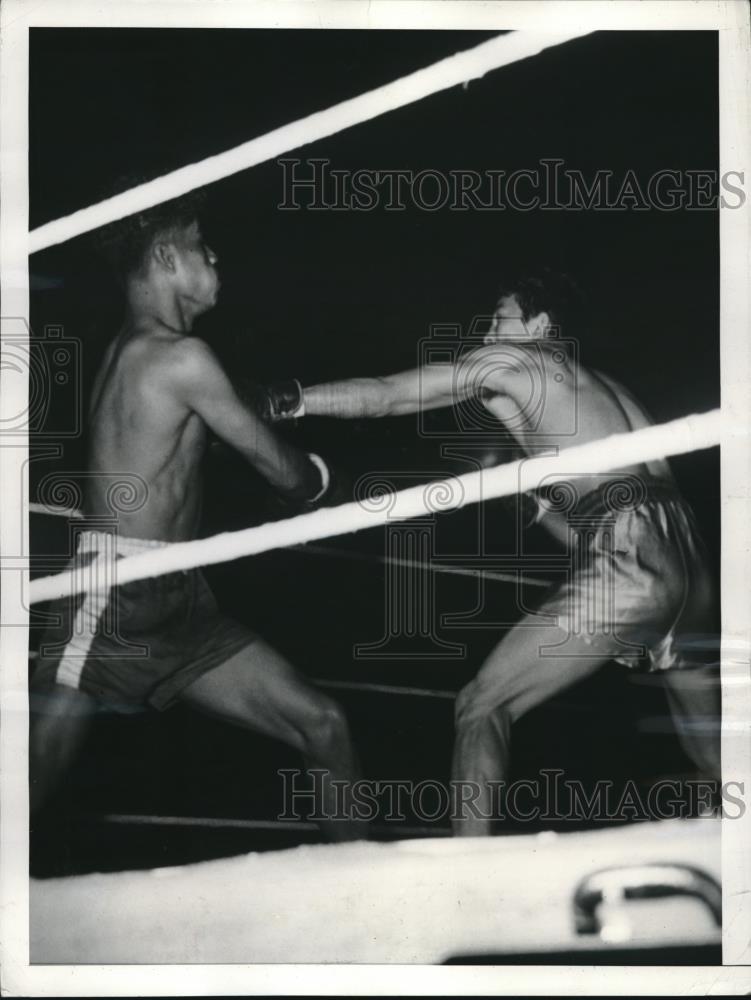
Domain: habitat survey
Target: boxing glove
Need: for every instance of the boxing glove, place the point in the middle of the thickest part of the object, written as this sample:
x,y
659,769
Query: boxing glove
x,y
279,401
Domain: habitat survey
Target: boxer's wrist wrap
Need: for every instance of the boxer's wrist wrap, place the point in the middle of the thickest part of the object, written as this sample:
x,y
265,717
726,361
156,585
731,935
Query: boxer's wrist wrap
x,y
283,401
325,476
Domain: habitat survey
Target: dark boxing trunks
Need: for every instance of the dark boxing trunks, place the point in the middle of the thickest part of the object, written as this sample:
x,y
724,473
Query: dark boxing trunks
x,y
137,644
639,574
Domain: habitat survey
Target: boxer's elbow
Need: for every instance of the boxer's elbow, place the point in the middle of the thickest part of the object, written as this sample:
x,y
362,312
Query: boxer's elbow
x,y
383,397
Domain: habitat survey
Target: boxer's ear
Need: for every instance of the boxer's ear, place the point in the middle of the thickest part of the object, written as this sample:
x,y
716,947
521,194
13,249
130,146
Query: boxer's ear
x,y
538,325
165,255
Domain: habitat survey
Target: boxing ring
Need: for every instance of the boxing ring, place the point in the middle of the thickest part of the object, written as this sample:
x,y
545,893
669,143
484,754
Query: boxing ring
x,y
687,434
479,892
367,903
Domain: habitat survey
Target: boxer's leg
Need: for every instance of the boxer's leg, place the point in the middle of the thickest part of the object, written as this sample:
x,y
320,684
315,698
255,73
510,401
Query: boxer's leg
x,y
258,689
694,696
518,675
59,723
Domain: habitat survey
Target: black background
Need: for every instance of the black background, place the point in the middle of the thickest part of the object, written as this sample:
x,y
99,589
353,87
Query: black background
x,y
328,294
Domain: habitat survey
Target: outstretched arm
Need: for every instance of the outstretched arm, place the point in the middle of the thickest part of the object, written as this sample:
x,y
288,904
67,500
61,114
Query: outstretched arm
x,y
202,385
387,396
488,369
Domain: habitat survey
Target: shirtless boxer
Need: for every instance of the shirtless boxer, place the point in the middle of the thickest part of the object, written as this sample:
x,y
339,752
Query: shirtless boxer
x,y
154,642
639,583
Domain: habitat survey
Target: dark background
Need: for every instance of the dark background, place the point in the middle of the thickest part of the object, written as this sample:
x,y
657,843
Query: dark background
x,y
328,294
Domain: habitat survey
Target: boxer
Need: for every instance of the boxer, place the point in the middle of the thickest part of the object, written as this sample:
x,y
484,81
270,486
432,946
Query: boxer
x,y
159,392
640,579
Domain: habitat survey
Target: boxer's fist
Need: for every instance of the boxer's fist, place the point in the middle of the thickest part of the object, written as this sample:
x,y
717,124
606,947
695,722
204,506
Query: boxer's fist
x,y
280,401
322,488
319,497
339,489
331,486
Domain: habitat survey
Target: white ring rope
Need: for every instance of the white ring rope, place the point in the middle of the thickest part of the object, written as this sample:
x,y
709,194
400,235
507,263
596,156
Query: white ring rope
x,y
457,69
359,686
220,823
434,566
648,444
54,511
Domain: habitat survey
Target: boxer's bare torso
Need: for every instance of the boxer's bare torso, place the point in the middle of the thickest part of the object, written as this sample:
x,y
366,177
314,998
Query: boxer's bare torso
x,y
590,404
140,427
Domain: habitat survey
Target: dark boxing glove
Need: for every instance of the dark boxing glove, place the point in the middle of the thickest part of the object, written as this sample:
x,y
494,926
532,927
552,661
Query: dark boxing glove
x,y
328,488
314,491
326,480
335,486
280,401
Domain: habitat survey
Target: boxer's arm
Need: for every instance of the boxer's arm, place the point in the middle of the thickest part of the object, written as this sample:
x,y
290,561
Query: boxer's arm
x,y
417,389
201,384
488,369
364,397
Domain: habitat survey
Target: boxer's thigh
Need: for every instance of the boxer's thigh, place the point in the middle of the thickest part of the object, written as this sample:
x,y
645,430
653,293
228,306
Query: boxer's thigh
x,y
532,663
259,689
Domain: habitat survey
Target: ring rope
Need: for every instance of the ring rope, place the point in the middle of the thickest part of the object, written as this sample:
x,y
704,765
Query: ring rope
x,y
449,72
384,688
323,550
433,567
218,823
617,451
53,511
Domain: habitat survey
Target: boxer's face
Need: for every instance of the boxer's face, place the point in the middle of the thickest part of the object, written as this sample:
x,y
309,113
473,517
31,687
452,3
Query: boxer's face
x,y
508,322
196,272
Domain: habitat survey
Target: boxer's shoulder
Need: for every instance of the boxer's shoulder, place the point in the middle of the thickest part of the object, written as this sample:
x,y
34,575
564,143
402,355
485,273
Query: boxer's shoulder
x,y
184,360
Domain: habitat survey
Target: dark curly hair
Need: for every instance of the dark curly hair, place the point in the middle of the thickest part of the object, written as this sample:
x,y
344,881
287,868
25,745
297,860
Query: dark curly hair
x,y
550,291
126,243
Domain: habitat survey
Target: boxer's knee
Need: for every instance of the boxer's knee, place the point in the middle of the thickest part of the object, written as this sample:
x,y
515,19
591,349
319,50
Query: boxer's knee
x,y
478,704
325,725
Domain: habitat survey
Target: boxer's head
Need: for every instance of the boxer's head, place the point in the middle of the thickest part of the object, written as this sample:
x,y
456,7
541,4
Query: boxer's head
x,y
534,305
165,246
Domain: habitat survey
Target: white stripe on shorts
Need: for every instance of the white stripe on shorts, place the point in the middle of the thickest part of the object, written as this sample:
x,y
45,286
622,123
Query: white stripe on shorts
x,y
100,579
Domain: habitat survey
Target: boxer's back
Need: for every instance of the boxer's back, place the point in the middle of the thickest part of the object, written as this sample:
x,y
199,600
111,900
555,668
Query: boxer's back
x,y
138,427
